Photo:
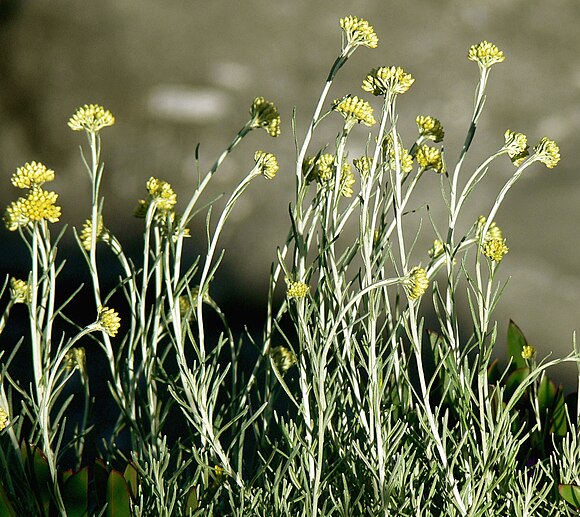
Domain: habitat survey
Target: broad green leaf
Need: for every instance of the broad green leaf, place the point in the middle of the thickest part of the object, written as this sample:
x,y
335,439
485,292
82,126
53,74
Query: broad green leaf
x,y
570,494
118,498
74,493
191,502
516,342
514,380
559,423
6,507
130,476
546,394
101,475
38,473
493,373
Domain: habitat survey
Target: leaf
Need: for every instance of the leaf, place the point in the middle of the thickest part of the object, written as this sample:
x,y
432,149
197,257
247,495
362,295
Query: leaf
x,y
118,498
38,474
100,475
6,507
130,476
570,494
74,493
191,502
493,373
516,342
546,394
514,380
559,423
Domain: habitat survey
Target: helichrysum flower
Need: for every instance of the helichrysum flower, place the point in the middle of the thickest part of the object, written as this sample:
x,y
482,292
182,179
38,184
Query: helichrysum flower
x,y
108,321
354,111
429,127
86,233
495,249
320,169
267,164
405,159
363,165
383,80
91,118
437,249
430,158
358,32
20,291
516,145
265,115
296,289
283,358
161,193
548,152
75,359
31,175
416,283
493,232
485,54
3,419
39,205
528,351
347,181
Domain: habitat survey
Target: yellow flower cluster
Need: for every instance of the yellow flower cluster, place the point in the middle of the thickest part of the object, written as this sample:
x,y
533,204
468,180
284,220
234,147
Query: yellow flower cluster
x,y
86,233
516,146
283,358
39,205
3,419
363,165
108,321
160,193
91,118
358,32
355,111
528,351
485,54
20,291
267,164
387,80
405,158
430,158
321,169
76,359
347,181
296,289
32,175
416,283
548,152
430,127
265,115
495,249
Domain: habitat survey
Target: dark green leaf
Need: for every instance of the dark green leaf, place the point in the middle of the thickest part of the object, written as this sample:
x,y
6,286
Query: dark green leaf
x,y
559,423
101,474
191,502
514,380
571,494
74,493
118,498
6,507
130,476
516,342
493,373
546,394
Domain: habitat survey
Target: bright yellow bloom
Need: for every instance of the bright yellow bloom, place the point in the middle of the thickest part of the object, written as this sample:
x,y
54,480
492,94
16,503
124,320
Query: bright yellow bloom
x,y
91,118
86,233
516,145
429,127
31,175
430,158
265,115
493,232
495,249
267,164
405,159
3,419
354,111
20,291
416,283
358,32
321,169
283,358
387,80
108,321
347,181
548,152
161,193
296,289
76,359
528,351
363,165
39,205
485,54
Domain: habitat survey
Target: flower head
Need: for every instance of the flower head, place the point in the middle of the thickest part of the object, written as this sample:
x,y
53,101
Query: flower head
x,y
39,205
485,54
91,118
516,145
495,249
265,115
346,181
87,232
32,175
20,291
296,289
358,32
528,351
354,111
76,359
161,194
267,164
430,127
387,80
404,157
108,321
320,169
283,358
363,165
430,158
416,283
548,152
493,232
3,419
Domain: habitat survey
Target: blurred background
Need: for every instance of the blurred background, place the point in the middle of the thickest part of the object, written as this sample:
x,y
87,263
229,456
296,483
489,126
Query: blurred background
x,y
177,73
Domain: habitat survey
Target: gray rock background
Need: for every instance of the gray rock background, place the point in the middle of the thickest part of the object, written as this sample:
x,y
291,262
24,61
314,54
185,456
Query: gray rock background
x,y
178,72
